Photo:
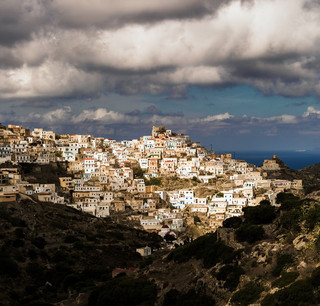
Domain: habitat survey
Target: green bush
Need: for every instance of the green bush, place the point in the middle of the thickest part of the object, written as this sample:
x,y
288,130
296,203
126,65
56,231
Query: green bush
x,y
124,291
233,222
138,173
315,277
195,179
299,293
288,201
285,196
13,220
248,295
35,270
231,275
207,248
312,217
260,214
249,233
71,239
191,298
70,281
39,242
283,261
116,235
289,220
19,233
57,274
285,279
8,267
153,181
196,220
18,243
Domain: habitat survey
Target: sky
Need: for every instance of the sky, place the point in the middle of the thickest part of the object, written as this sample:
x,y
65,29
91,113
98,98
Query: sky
x,y
232,74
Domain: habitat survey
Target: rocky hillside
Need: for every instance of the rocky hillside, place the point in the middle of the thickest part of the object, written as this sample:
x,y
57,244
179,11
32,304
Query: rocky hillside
x,y
269,257
51,253
309,175
54,255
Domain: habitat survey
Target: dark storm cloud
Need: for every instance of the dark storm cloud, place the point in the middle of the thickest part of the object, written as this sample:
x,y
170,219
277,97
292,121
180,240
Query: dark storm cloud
x,y
115,14
79,48
39,104
19,19
153,110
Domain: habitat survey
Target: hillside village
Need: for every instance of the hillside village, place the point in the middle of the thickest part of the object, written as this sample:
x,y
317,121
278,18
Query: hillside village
x,y
162,182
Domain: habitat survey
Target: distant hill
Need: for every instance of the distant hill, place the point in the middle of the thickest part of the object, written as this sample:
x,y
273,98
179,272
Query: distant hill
x,y
310,175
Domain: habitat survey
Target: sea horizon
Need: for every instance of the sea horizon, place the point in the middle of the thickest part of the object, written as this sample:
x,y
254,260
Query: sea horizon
x,y
294,159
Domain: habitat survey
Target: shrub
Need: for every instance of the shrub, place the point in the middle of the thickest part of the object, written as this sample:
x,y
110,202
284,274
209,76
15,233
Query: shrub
x,y
231,275
18,243
153,181
289,220
312,217
35,270
315,277
299,293
265,202
13,220
32,254
19,233
206,248
196,219
249,233
175,298
124,291
288,201
285,279
8,267
116,235
195,179
39,242
285,196
71,239
248,295
138,172
233,222
283,262
70,281
260,214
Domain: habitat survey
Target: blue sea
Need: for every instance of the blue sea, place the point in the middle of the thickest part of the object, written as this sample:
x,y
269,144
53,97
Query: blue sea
x,y
293,159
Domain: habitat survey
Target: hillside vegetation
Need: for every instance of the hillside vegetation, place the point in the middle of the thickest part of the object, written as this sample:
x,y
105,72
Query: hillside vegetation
x,y
270,256
55,255
49,253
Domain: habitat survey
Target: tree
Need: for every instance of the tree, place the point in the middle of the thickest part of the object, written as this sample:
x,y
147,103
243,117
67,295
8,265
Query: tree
x,y
249,233
261,214
233,222
138,172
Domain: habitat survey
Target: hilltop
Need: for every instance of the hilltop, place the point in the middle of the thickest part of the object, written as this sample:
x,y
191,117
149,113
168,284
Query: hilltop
x,y
309,175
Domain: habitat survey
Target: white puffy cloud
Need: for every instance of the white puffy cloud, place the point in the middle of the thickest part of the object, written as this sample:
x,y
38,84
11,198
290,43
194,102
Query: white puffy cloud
x,y
311,111
284,119
103,115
